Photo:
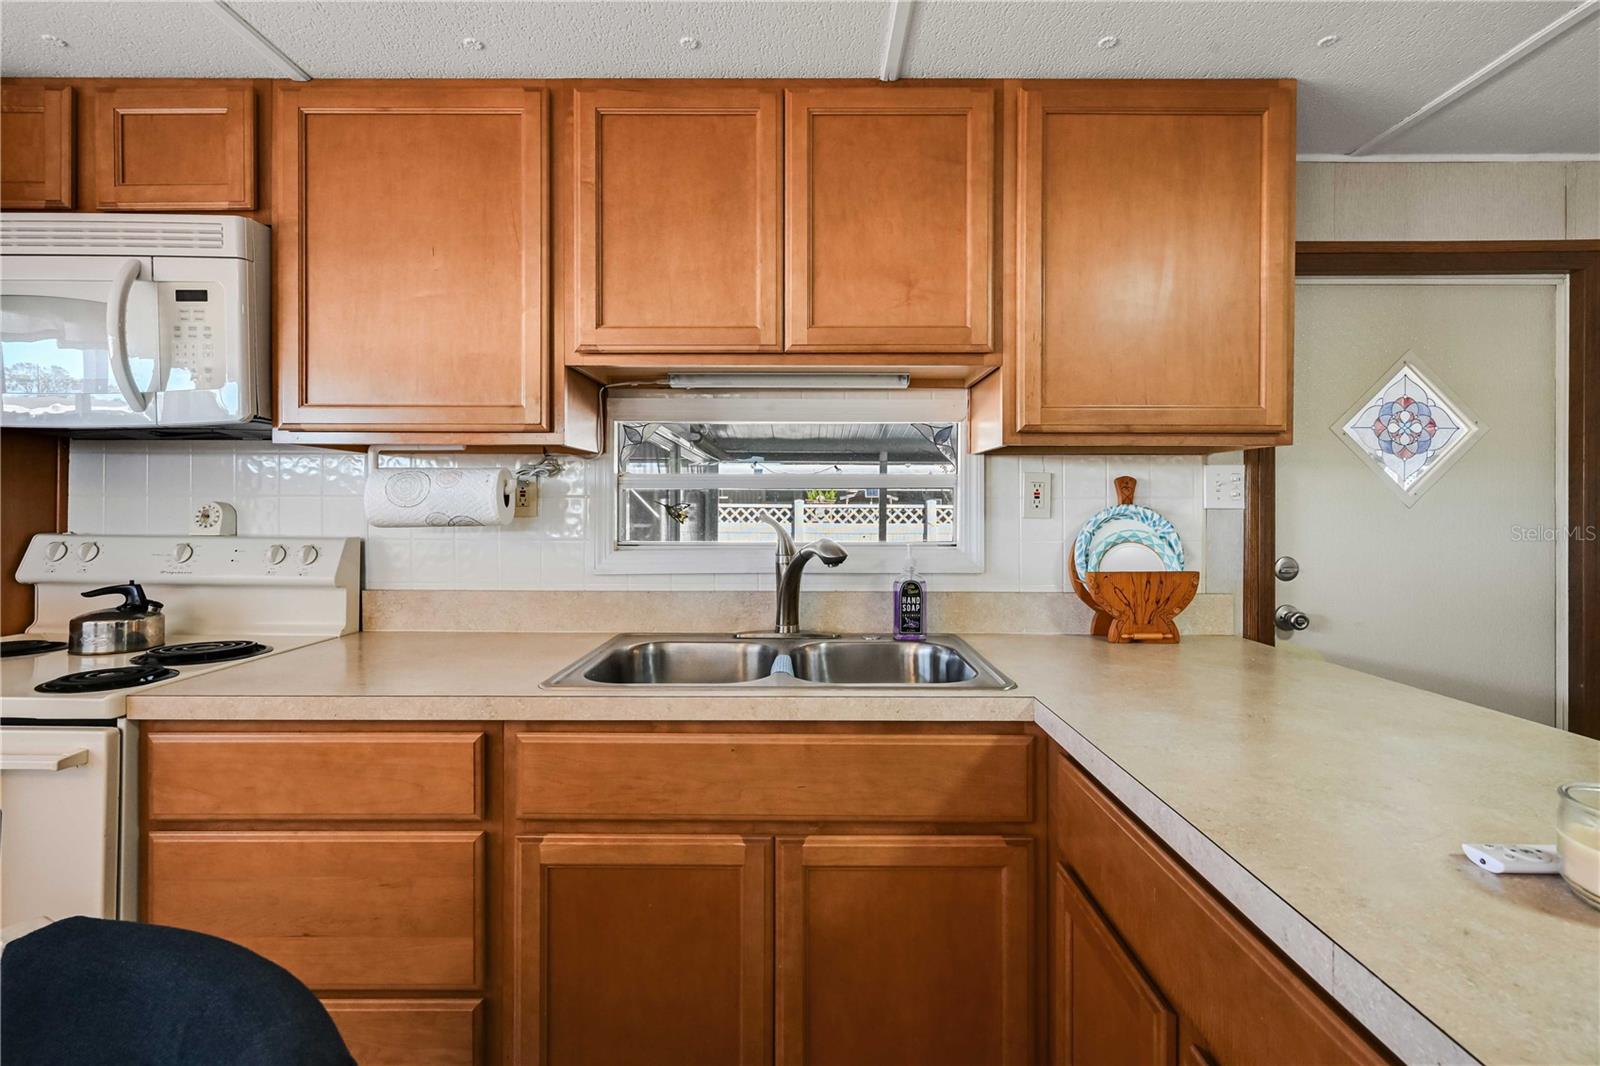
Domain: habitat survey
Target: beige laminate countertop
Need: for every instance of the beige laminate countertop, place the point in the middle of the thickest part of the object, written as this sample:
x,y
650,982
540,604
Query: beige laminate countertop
x,y
1327,805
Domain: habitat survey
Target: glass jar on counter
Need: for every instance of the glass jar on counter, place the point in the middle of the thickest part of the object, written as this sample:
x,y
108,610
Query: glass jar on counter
x,y
1578,839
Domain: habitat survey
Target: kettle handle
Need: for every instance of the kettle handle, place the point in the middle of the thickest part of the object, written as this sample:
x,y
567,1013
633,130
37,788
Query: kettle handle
x,y
133,597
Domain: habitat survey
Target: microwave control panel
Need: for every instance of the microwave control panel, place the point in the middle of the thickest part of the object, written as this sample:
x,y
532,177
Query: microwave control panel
x,y
193,335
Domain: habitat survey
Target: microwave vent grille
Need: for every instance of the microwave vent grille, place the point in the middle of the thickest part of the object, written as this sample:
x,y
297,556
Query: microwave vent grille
x,y
105,237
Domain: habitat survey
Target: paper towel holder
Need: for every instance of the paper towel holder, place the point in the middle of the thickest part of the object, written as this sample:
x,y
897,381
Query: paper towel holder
x,y
547,466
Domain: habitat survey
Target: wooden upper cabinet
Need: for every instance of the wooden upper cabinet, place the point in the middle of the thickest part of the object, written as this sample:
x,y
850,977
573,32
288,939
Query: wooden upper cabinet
x,y
410,257
890,219
643,949
1156,257
1106,1012
190,148
904,949
677,231
36,152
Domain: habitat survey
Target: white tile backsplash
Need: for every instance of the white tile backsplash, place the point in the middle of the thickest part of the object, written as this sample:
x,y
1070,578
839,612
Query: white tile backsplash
x,y
133,487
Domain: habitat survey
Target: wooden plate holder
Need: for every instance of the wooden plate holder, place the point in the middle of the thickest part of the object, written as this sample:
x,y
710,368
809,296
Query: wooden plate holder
x,y
1134,605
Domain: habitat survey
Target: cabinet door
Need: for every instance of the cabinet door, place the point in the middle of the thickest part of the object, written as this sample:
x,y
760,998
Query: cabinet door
x,y
36,156
677,224
1156,257
1105,1011
643,949
410,1032
890,204
903,949
175,149
411,258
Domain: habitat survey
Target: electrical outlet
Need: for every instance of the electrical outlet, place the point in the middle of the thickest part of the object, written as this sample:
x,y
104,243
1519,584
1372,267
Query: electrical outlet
x,y
527,502
1035,495
1224,487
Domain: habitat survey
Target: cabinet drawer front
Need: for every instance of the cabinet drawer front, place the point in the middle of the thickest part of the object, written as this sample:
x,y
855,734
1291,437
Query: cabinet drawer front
x,y
338,910
740,775
409,1032
1245,1001
315,775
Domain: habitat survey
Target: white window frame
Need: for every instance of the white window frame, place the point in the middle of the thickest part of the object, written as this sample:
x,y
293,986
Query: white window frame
x,y
606,556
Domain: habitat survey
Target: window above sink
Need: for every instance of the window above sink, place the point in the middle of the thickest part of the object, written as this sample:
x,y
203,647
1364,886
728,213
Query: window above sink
x,y
690,481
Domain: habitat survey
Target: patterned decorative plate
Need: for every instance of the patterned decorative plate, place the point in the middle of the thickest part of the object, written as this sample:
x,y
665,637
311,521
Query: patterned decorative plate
x,y
1161,546
1128,516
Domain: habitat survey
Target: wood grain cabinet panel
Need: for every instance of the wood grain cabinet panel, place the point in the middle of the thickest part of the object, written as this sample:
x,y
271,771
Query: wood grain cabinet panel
x,y
410,257
356,910
410,1032
1156,257
903,949
890,219
36,148
1106,1012
1238,1000
836,777
677,223
175,149
291,776
643,950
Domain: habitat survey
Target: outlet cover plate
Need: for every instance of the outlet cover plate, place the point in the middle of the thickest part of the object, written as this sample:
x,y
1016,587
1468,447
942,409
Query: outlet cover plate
x,y
1035,494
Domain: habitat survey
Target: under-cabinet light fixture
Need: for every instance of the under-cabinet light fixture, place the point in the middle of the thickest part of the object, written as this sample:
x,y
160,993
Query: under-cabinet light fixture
x,y
788,381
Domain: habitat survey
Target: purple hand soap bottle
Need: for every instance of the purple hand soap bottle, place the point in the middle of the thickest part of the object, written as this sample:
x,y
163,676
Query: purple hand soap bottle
x,y
910,601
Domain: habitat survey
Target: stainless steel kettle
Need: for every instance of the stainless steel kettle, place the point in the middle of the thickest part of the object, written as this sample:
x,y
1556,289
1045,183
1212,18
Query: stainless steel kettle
x,y
135,625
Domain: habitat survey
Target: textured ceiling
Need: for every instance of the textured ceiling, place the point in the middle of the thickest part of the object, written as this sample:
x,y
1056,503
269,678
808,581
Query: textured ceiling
x,y
1389,60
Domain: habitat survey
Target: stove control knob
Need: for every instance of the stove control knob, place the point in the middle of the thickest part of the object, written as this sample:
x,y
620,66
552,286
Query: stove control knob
x,y
308,554
276,555
88,550
56,551
182,553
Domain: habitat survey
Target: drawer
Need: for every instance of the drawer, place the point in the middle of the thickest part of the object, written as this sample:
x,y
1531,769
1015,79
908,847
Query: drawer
x,y
835,777
409,1032
338,910
1244,1001
357,775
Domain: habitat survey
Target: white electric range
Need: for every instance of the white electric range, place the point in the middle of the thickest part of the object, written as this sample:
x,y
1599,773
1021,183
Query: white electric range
x,y
68,822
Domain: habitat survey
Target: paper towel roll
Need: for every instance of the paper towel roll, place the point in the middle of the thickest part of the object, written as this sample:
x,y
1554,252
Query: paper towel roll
x,y
440,496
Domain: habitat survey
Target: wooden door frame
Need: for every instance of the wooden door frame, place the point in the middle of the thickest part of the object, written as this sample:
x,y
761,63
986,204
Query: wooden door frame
x,y
1579,261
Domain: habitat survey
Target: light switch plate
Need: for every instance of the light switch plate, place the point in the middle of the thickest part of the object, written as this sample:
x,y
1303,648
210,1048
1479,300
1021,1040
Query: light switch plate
x,y
1224,487
1035,495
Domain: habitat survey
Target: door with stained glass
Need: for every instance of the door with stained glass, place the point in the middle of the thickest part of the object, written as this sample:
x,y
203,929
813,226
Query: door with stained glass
x,y
1423,498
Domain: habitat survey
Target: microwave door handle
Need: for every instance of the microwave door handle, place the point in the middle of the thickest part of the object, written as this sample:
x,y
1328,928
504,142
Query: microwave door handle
x,y
117,334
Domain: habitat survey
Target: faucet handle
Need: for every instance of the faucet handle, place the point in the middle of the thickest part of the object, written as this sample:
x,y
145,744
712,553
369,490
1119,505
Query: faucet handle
x,y
785,541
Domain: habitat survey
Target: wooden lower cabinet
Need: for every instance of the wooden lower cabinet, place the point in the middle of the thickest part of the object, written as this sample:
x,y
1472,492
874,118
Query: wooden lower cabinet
x,y
1147,956
1107,1012
904,949
652,949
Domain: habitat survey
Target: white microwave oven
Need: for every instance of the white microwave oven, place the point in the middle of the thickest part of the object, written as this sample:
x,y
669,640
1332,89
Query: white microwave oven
x,y
135,323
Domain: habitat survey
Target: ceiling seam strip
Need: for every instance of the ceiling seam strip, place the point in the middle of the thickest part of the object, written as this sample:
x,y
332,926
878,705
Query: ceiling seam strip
x,y
1486,73
894,42
258,40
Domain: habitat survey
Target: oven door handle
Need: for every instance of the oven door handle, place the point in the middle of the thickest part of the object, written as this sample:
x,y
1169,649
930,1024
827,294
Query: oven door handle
x,y
49,762
117,334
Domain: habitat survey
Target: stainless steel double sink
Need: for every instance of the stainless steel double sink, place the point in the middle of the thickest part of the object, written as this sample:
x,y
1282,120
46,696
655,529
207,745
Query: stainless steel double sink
x,y
700,660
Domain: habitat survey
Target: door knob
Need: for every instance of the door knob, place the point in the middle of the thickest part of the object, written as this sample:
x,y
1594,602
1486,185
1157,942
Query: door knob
x,y
1287,568
1291,618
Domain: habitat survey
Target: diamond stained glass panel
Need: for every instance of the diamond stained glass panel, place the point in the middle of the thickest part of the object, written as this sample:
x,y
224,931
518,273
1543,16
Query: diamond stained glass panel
x,y
1407,429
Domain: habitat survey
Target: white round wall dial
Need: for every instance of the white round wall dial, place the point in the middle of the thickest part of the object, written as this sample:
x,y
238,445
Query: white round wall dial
x,y
214,519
